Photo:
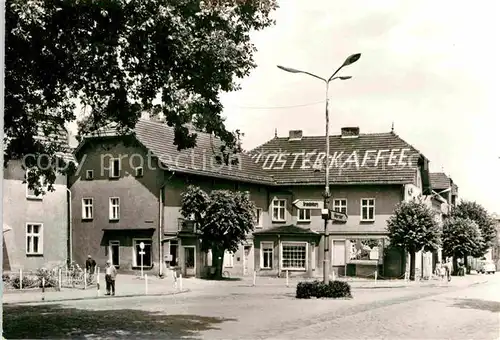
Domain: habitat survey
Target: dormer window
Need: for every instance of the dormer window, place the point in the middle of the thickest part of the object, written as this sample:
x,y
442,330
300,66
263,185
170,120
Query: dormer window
x,y
139,172
349,132
89,175
115,168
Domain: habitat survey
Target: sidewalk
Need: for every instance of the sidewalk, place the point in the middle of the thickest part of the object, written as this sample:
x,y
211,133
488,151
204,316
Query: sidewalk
x,y
362,283
126,286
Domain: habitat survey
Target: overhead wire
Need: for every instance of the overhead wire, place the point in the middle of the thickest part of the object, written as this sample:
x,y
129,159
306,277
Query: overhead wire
x,y
276,107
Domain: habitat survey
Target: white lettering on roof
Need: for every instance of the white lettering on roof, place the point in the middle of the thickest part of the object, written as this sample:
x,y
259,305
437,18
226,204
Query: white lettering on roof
x,y
384,158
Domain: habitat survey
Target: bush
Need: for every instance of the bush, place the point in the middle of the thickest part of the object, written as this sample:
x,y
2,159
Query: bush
x,y
32,280
29,281
318,289
50,277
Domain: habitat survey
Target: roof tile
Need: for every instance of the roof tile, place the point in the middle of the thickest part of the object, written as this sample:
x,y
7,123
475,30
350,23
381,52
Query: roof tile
x,y
439,180
353,160
283,162
286,229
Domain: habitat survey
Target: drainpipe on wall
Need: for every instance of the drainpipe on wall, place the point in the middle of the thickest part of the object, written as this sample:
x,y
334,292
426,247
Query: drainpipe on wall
x,y
160,230
70,227
279,256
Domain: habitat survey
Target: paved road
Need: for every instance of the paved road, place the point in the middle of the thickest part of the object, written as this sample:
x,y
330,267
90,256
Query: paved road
x,y
236,312
470,313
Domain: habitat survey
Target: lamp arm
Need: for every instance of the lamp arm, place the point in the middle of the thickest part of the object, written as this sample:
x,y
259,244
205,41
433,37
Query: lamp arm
x,y
313,75
334,74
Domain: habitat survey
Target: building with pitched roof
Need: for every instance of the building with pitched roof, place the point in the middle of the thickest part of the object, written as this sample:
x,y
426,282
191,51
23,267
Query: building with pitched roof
x,y
37,225
444,186
127,190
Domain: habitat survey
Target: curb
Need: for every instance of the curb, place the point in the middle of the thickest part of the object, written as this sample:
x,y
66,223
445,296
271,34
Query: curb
x,y
97,297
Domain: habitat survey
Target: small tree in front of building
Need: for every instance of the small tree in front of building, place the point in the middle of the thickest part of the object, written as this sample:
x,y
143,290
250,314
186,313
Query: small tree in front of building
x,y
486,224
224,219
412,227
461,237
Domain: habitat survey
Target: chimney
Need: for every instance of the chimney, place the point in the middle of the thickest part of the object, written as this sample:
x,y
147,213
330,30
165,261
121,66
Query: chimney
x,y
350,132
295,135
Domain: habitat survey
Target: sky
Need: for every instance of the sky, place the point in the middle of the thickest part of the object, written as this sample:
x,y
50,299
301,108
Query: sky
x,y
429,67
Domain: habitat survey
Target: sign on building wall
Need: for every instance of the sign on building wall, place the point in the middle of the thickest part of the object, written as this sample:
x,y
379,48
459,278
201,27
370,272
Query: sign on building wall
x,y
338,216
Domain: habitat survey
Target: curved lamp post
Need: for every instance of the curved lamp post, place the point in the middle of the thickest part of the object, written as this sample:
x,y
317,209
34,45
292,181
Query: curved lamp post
x,y
350,60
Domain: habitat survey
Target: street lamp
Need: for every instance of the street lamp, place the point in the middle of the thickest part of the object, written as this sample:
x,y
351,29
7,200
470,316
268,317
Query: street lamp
x,y
326,211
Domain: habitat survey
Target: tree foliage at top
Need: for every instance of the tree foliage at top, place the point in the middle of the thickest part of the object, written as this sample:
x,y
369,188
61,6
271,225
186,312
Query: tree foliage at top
x,y
119,58
413,227
224,219
486,224
461,237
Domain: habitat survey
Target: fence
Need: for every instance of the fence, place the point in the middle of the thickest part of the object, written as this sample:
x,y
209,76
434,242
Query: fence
x,y
375,276
58,277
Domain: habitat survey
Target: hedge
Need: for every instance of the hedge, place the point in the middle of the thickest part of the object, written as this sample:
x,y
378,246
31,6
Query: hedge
x,y
318,289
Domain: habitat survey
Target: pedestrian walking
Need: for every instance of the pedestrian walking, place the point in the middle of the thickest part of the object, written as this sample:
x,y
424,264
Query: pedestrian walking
x,y
90,265
110,278
449,267
441,270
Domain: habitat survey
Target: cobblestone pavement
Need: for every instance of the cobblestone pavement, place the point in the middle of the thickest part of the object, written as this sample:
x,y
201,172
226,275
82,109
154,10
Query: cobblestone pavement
x,y
471,312
465,308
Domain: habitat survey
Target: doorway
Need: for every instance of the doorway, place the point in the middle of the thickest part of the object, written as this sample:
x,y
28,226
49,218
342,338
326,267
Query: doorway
x,y
189,261
246,260
174,253
114,253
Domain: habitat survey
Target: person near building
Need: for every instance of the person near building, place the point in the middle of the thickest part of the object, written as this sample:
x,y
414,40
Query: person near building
x,y
110,278
90,265
441,270
449,268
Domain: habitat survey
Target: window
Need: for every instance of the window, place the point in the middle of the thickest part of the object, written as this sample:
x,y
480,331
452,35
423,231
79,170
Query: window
x,y
340,205
293,255
266,255
279,210
115,168
228,259
114,208
114,253
139,172
30,194
87,208
258,218
338,252
34,239
147,256
89,175
364,249
367,209
304,215
313,256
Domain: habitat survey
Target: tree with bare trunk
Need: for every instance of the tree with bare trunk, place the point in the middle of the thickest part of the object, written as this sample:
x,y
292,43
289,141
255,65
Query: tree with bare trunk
x,y
412,227
224,219
477,213
461,237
